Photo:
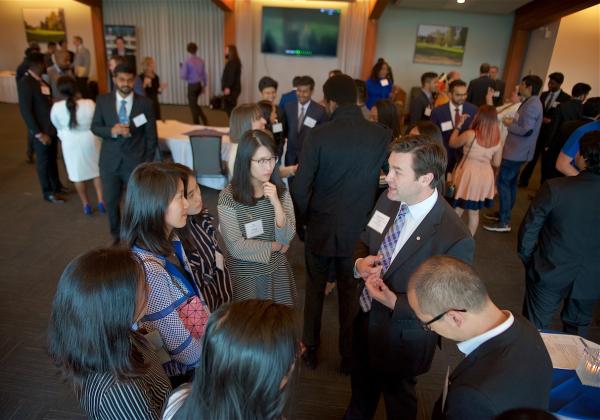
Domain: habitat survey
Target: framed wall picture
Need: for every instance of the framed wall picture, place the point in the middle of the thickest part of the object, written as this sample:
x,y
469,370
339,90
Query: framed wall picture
x,y
440,44
45,25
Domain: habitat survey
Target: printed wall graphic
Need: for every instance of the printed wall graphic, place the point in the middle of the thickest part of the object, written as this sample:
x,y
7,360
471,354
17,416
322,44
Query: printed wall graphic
x,y
44,25
440,44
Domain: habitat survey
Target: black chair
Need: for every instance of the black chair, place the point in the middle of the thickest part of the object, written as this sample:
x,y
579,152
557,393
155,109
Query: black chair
x,y
206,154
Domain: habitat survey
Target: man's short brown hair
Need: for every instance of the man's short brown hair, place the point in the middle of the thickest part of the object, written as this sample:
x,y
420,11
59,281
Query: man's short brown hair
x,y
427,156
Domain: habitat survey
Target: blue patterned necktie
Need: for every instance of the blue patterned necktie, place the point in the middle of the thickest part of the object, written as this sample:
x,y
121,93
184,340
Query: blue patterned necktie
x,y
386,251
123,113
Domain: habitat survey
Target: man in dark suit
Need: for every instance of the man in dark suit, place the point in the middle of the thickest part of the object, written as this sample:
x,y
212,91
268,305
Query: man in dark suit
x,y
447,116
422,104
340,165
570,110
127,125
478,88
127,53
301,117
410,223
550,100
558,243
21,71
35,103
498,97
506,363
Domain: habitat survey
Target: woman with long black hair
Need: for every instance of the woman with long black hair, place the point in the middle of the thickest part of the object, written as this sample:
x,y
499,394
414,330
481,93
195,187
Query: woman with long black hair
x,y
72,118
93,338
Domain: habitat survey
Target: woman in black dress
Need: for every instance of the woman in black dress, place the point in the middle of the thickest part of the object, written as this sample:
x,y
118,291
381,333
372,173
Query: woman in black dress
x,y
150,84
231,79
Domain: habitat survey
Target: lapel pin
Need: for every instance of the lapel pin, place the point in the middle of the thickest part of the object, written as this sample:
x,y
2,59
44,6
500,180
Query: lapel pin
x,y
418,238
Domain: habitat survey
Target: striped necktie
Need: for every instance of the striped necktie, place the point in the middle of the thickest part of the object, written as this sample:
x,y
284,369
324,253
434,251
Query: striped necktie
x,y
386,251
123,113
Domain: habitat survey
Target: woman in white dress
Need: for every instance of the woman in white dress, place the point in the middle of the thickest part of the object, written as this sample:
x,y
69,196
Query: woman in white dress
x,y
72,118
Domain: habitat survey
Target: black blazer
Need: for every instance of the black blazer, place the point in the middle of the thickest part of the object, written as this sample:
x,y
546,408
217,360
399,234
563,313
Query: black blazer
x,y
295,137
478,88
417,107
35,106
511,370
499,87
337,182
569,110
231,77
398,345
128,151
558,238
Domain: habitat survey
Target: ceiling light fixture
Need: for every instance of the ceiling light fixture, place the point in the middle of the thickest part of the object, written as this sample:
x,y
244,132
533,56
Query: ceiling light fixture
x,y
460,1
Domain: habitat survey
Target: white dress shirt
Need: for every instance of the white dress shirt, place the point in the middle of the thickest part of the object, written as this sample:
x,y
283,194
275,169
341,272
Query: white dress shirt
x,y
128,102
415,215
470,345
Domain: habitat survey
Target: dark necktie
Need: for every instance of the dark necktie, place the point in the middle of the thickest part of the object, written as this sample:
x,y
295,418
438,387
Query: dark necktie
x,y
456,117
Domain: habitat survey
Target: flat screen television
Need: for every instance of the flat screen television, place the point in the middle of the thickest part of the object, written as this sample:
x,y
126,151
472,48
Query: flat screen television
x,y
301,32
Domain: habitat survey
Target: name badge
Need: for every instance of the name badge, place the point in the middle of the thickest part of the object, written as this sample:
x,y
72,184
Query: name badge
x,y
496,94
219,261
427,111
310,122
277,128
384,82
447,125
45,90
140,120
254,229
554,104
378,221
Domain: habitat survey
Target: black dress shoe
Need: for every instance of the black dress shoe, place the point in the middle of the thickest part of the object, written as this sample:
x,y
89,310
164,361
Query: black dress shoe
x,y
54,199
310,358
63,190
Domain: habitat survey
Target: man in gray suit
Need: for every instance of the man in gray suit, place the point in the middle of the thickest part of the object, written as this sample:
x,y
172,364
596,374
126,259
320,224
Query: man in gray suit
x,y
81,65
62,67
523,131
126,123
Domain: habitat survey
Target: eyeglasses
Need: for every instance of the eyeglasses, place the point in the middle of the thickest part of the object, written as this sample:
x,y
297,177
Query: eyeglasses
x,y
266,162
427,325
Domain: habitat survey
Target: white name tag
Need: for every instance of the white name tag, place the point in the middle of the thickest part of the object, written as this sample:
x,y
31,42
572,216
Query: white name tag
x,y
447,125
384,82
378,221
140,120
427,111
254,229
496,94
554,105
45,90
219,261
310,122
277,128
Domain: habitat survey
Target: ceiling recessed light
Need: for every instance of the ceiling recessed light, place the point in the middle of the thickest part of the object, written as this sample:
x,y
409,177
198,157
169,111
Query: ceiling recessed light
x,y
460,1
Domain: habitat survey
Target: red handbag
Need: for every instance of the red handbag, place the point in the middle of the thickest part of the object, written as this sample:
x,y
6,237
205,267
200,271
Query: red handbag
x,y
194,316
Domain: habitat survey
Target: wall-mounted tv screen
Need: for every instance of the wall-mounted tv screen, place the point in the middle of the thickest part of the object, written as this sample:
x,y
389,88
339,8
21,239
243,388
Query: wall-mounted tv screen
x,y
303,32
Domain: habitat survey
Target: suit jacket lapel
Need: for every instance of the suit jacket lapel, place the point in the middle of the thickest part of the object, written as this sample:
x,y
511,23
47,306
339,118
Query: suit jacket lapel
x,y
135,109
419,237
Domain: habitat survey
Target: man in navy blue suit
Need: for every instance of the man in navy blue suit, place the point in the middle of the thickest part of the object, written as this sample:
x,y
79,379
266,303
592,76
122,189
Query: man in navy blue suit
x,y
291,95
301,117
447,116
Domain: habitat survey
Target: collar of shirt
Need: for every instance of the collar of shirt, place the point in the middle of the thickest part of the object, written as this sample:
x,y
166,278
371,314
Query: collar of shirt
x,y
128,102
453,109
416,213
305,106
428,94
470,345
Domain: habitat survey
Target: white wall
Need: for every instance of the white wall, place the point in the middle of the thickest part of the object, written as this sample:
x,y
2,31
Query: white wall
x,y
13,41
487,41
576,52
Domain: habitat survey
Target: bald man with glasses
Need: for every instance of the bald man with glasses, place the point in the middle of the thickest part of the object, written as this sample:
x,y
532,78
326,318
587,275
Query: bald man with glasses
x,y
506,364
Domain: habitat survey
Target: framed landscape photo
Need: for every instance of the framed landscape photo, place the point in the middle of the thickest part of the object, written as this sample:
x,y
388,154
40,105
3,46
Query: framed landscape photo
x,y
44,24
440,44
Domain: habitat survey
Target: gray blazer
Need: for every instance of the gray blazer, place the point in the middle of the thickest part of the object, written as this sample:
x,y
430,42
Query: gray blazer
x,y
82,59
524,131
54,72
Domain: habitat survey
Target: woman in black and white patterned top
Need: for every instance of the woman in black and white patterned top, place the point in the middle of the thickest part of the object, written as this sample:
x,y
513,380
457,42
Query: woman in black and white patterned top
x,y
116,375
207,262
257,221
